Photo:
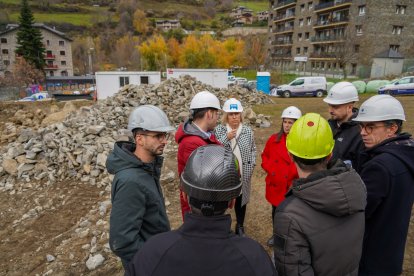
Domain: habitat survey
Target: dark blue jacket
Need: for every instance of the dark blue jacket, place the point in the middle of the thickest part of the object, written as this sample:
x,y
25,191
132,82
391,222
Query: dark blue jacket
x,y
388,172
138,210
202,246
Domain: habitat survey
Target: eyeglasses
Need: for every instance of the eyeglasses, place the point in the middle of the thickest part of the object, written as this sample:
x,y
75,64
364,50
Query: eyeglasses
x,y
159,136
369,127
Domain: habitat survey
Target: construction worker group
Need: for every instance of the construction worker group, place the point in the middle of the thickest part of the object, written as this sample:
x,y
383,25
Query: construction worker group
x,y
341,190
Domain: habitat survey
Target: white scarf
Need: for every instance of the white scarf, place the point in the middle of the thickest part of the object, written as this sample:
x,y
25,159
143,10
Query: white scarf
x,y
236,148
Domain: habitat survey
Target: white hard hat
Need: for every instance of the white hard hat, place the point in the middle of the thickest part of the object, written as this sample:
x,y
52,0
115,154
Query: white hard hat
x,y
341,93
204,99
380,108
232,105
291,112
149,117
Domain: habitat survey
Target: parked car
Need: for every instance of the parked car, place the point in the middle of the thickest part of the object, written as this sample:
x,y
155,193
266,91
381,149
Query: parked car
x,y
35,97
250,85
231,80
240,81
304,86
402,86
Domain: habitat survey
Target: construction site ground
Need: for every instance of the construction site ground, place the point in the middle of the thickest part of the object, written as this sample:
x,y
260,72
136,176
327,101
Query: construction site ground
x,y
25,245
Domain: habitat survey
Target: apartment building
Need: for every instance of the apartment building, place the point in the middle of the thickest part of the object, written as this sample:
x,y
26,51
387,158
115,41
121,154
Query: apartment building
x,y
330,35
58,54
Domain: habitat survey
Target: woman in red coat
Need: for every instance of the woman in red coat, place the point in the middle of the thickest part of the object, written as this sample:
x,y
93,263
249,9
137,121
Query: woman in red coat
x,y
280,169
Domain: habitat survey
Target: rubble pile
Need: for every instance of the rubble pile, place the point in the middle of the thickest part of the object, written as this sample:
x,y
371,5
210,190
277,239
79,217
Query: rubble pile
x,y
78,146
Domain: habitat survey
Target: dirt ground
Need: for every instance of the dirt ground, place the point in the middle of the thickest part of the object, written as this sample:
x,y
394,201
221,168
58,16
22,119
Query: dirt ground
x,y
24,243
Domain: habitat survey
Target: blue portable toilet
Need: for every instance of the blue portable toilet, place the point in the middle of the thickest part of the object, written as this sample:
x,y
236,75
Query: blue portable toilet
x,y
263,82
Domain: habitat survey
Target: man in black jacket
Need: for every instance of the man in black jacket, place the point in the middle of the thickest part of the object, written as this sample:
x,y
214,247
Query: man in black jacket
x,y
341,100
387,168
138,210
204,245
319,227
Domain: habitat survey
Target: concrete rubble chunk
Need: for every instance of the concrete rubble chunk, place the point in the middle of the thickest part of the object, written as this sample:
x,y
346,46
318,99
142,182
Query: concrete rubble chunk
x,y
94,261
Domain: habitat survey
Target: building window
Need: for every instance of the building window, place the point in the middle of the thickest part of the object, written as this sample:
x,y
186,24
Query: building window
x,y
63,62
144,80
394,47
309,20
361,10
123,81
356,48
3,40
298,50
396,30
47,42
310,5
61,43
51,73
301,22
358,29
6,62
300,37
5,51
64,73
307,35
305,50
302,8
62,53
400,9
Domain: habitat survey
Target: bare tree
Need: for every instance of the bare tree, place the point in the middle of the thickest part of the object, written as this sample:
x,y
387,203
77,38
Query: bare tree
x,y
210,7
255,47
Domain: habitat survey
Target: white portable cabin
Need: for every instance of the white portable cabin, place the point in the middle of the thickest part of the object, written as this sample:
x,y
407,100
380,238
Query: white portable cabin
x,y
214,77
109,82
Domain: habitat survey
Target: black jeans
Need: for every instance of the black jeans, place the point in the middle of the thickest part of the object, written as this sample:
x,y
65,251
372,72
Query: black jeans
x,y
240,211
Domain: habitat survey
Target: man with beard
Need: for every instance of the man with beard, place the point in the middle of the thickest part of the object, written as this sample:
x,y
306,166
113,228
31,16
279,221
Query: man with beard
x,y
341,99
387,169
138,210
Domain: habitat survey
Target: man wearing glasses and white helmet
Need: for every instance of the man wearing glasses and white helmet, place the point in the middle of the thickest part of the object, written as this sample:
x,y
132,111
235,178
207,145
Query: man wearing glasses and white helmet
x,y
387,169
138,209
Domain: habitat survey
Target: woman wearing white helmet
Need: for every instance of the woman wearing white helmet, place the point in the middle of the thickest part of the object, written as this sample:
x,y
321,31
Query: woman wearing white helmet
x,y
280,169
239,138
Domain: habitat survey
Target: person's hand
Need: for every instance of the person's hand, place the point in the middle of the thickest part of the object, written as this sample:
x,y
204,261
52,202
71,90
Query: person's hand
x,y
231,134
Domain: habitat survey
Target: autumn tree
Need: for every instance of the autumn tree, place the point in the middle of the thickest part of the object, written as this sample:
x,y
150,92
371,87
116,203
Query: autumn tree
x,y
174,52
24,74
154,52
140,21
125,53
255,51
29,38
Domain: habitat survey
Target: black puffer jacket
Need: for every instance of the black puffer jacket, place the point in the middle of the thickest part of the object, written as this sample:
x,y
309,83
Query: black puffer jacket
x,y
202,246
348,141
388,173
319,228
138,210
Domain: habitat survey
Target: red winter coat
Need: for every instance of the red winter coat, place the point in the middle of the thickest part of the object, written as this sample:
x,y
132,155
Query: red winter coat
x,y
280,169
189,138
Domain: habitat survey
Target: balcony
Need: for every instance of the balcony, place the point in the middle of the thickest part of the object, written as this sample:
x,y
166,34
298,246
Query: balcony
x,y
284,54
284,30
284,17
282,42
332,5
331,23
50,56
327,39
323,55
284,4
50,67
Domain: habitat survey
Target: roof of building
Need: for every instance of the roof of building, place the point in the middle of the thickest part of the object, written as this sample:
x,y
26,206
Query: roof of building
x,y
389,54
13,27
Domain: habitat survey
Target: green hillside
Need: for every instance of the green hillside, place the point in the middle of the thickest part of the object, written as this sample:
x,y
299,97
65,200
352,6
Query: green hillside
x,y
86,15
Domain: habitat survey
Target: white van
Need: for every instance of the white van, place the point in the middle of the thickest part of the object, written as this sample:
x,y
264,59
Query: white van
x,y
304,86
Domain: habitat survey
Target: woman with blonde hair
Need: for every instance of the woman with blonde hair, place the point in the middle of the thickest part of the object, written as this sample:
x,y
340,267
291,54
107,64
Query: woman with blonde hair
x,y
239,138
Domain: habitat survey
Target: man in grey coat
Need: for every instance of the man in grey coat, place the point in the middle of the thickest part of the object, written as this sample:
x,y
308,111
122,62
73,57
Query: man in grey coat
x,y
319,228
138,210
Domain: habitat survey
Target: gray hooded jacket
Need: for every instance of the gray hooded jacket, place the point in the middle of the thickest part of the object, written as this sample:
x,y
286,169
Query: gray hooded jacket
x,y
319,228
